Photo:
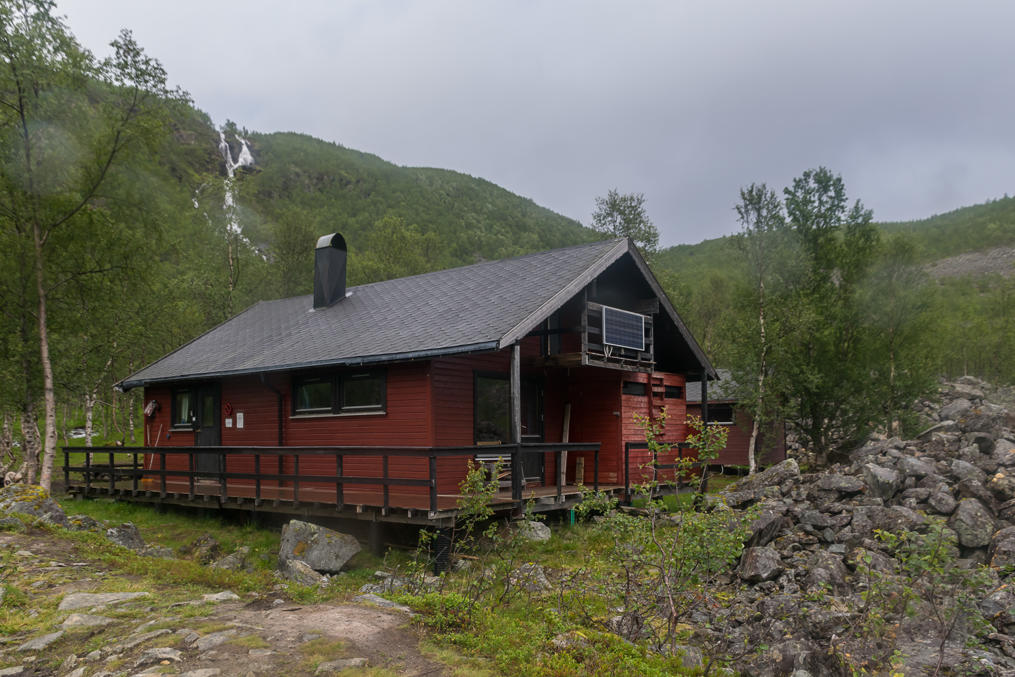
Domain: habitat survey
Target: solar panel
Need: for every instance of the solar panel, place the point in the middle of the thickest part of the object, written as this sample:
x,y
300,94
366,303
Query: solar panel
x,y
624,329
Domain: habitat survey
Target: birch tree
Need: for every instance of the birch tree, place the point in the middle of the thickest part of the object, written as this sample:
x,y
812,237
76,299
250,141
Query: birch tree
x,y
66,121
762,224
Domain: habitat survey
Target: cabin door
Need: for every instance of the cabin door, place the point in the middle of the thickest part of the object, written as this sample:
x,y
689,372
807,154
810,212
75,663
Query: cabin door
x,y
207,432
532,429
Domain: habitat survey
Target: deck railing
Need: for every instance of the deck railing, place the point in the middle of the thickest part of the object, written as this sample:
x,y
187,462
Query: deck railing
x,y
136,470
681,468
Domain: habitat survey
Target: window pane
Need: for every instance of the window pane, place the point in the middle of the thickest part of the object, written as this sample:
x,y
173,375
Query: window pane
x,y
363,391
634,388
674,393
493,417
313,395
208,416
181,407
720,413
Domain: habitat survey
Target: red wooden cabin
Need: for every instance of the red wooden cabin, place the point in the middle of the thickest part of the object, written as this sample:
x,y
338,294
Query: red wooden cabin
x,y
723,410
372,400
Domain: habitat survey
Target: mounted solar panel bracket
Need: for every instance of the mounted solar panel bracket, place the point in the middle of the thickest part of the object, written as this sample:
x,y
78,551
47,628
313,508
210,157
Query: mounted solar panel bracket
x,y
623,329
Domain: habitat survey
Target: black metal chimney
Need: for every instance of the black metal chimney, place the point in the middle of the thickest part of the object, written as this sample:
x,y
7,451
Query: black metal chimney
x,y
329,270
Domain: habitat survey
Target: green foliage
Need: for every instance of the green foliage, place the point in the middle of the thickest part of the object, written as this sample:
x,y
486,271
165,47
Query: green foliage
x,y
624,215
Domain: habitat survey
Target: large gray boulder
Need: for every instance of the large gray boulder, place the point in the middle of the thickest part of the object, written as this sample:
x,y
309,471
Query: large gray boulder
x,y
844,484
321,548
530,530
973,523
955,409
881,482
28,499
760,564
774,476
1002,548
910,466
1004,453
126,536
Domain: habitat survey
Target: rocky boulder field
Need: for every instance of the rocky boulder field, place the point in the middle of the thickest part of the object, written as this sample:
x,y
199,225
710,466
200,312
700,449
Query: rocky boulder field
x,y
903,558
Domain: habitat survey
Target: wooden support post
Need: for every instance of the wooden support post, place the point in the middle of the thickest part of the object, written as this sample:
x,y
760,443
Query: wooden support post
x,y
516,423
433,483
562,457
162,475
257,480
66,470
442,551
223,489
112,473
375,538
134,473
703,484
339,484
190,470
296,481
88,473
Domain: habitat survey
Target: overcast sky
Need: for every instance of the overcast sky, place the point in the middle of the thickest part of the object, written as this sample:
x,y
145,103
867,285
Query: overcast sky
x,y
912,102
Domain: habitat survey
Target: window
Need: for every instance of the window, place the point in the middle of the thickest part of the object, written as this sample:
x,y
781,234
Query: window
x,y
183,409
492,422
674,393
343,393
720,413
633,388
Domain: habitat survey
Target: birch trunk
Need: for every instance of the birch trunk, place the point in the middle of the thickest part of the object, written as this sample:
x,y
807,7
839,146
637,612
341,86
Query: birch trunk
x,y
48,392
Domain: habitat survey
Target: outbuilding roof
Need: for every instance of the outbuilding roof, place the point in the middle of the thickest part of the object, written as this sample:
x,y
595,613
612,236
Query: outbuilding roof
x,y
481,307
719,391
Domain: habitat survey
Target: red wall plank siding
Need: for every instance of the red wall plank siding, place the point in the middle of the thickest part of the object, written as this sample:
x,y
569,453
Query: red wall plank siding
x,y
650,405
772,441
595,417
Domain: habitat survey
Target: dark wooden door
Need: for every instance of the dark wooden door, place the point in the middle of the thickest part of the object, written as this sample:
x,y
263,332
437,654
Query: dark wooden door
x,y
532,429
207,431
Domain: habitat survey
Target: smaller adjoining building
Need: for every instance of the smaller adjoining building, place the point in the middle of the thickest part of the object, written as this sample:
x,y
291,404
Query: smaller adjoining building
x,y
723,410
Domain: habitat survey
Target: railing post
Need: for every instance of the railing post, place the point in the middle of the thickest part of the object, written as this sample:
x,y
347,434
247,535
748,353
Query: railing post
x,y
595,470
66,469
223,490
134,472
516,475
257,480
433,483
162,476
560,475
339,484
112,474
88,473
384,464
627,473
296,481
190,471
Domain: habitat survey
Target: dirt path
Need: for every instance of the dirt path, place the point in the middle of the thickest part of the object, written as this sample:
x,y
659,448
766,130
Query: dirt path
x,y
164,632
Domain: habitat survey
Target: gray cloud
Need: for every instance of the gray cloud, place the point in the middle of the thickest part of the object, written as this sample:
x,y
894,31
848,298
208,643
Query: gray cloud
x,y
912,102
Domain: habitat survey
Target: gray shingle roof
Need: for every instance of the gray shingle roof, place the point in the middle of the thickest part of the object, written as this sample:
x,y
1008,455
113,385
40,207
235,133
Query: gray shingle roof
x,y
479,307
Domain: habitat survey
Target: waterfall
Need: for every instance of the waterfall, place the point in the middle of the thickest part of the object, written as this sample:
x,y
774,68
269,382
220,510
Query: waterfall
x,y
244,159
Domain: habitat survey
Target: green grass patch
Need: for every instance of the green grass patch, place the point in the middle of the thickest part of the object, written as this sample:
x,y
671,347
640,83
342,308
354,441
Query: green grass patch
x,y
176,529
321,650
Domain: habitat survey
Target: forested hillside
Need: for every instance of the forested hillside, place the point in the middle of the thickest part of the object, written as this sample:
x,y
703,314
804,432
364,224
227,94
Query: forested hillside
x,y
966,316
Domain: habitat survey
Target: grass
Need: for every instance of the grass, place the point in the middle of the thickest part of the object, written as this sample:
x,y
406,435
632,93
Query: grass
x,y
176,529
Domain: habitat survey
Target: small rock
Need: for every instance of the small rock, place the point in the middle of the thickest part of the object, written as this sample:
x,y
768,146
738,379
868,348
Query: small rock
x,y
377,600
13,671
158,551
844,484
85,621
300,572
530,577
342,664
776,475
149,656
205,549
202,672
214,639
127,536
224,596
235,561
942,502
40,643
89,600
530,530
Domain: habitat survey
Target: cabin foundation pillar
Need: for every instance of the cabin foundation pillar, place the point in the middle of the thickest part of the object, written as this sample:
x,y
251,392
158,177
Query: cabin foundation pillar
x,y
442,551
375,539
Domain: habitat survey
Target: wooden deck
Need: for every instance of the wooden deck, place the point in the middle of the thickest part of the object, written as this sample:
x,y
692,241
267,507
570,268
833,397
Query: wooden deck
x,y
146,478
